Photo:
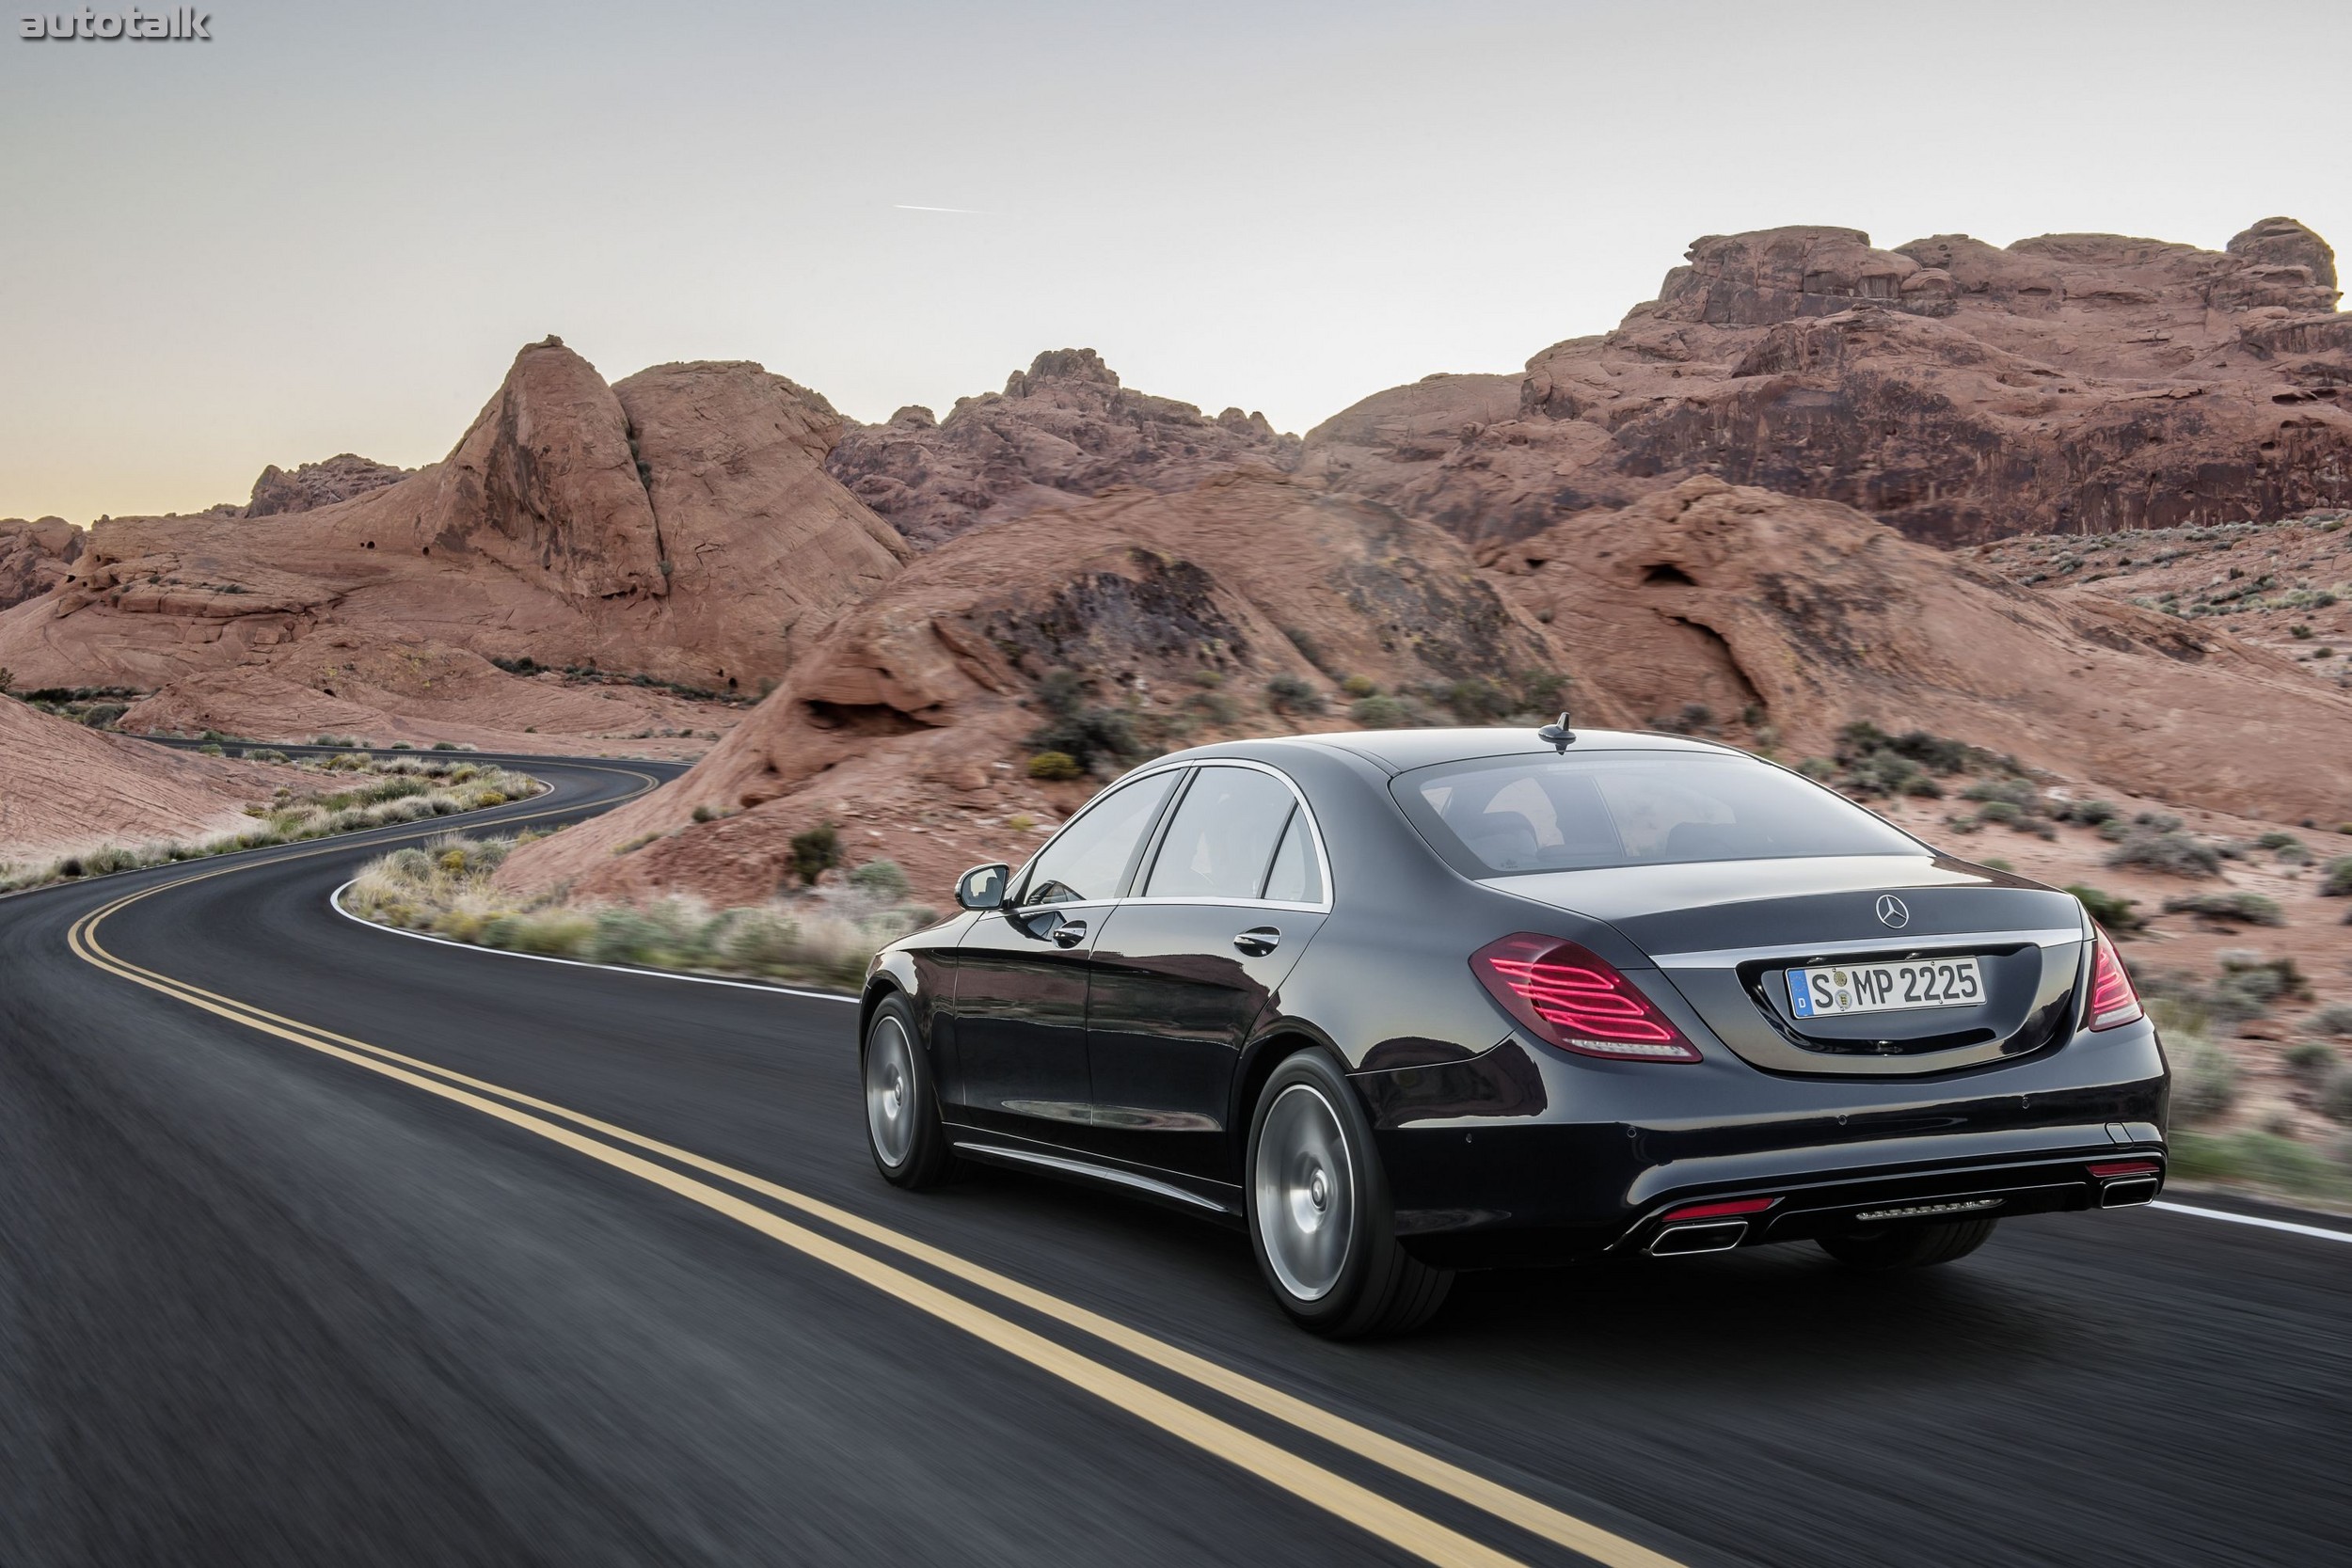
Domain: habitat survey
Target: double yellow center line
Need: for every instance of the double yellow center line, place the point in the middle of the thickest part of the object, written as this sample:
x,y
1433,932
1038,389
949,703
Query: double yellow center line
x,y
624,1150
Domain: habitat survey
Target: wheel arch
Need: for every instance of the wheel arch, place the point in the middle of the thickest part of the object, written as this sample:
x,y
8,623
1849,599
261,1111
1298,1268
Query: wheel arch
x,y
1269,1048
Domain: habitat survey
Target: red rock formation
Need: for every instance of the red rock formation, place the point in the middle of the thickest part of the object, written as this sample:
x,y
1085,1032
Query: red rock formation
x,y
1812,614
918,700
34,555
679,527
316,484
2075,382
1061,432
64,788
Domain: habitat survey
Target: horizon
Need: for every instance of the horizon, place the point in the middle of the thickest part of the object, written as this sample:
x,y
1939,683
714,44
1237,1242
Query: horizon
x,y
327,232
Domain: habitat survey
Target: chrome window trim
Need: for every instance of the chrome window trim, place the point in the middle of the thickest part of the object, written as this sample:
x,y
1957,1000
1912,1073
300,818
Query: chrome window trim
x,y
1021,875
1732,958
1156,835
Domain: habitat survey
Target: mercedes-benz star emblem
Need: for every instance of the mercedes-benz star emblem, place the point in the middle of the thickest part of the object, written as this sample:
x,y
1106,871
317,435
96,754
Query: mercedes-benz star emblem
x,y
1892,911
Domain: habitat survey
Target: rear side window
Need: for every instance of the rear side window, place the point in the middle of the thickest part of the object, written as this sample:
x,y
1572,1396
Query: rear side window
x,y
1297,878
1223,836
1514,814
1092,856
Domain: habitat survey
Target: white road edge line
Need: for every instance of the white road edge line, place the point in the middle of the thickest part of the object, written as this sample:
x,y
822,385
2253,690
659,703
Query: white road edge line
x,y
2288,1226
336,900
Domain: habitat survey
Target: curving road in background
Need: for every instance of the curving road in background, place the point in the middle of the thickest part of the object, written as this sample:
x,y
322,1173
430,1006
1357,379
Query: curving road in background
x,y
321,1245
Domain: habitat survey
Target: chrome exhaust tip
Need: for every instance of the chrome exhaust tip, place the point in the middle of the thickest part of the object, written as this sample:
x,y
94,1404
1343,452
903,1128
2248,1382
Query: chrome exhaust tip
x,y
1680,1240
2128,1192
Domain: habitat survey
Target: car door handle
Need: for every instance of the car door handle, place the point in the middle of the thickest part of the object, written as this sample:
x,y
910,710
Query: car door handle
x,y
1069,933
1258,941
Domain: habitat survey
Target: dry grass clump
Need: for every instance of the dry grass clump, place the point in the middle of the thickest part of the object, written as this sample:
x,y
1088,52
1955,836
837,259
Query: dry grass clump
x,y
379,795
823,936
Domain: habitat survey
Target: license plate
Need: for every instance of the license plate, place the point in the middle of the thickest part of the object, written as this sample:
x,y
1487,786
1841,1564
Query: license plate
x,y
1837,988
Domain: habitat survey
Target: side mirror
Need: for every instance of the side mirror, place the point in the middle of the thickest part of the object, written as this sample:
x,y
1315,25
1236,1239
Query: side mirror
x,y
983,887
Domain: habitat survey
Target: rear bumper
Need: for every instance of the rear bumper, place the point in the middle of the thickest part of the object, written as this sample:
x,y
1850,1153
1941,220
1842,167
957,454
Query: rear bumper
x,y
1548,1185
1803,1195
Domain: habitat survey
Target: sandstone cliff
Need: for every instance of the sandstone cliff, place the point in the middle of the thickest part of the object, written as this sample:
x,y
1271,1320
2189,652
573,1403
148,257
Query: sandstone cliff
x,y
679,527
1061,432
2077,383
1173,611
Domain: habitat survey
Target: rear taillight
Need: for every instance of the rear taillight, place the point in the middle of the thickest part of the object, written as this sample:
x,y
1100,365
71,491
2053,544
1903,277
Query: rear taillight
x,y
2113,1003
1571,998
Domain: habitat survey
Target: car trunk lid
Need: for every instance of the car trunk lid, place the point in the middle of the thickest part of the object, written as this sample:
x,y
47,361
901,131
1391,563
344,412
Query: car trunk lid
x,y
1727,935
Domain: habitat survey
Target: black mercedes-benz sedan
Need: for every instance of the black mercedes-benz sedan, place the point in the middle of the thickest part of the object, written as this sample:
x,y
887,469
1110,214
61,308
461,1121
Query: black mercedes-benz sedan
x,y
1413,1002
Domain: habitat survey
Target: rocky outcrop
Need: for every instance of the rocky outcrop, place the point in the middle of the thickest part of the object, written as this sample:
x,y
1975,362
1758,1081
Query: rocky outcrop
x,y
2078,383
316,484
1062,431
64,788
1803,615
1168,608
679,527
34,555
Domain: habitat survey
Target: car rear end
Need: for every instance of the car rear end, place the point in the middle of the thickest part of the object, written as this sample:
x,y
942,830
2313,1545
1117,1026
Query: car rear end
x,y
1714,1053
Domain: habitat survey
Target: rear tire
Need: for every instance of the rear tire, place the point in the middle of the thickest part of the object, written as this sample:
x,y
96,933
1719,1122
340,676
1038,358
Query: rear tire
x,y
902,1126
1320,1219
1908,1246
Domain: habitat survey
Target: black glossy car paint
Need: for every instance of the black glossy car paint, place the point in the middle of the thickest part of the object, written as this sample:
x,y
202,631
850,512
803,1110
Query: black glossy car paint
x,y
1497,1147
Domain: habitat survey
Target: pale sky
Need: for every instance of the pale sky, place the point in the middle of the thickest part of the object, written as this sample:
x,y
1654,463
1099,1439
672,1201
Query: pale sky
x,y
330,228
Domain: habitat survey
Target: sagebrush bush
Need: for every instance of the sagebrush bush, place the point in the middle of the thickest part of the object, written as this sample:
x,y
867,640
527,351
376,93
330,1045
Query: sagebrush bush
x,y
2338,881
2166,850
2334,1019
1293,694
2240,908
2110,910
2204,1079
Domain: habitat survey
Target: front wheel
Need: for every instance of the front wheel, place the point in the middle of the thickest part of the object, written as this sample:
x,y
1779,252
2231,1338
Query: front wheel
x,y
1320,1220
1908,1246
902,1126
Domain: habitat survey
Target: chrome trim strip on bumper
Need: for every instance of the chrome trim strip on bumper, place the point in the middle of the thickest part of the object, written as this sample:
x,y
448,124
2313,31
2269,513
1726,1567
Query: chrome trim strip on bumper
x,y
1732,958
1098,1173
1927,1211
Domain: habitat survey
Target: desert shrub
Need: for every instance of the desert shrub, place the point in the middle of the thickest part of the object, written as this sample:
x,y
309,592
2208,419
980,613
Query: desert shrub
x,y
2338,881
1818,768
623,936
2090,813
2264,1158
2015,793
2204,1079
2276,839
2313,1059
263,753
2244,908
211,749
2112,911
1055,765
815,851
1477,700
1692,719
1088,731
98,715
1293,694
2334,1019
1378,713
2172,852
2000,811
2335,1096
883,878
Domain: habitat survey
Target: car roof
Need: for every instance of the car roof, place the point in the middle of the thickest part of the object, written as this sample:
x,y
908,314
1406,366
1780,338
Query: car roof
x,y
1402,750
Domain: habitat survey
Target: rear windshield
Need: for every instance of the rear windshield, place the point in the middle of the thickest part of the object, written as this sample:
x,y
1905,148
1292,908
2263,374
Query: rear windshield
x,y
1513,814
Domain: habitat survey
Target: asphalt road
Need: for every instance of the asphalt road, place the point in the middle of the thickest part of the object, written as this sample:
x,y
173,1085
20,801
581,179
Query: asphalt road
x,y
321,1245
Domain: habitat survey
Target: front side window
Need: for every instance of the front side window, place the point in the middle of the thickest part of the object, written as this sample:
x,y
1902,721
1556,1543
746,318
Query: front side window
x,y
1513,814
1223,836
1091,858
